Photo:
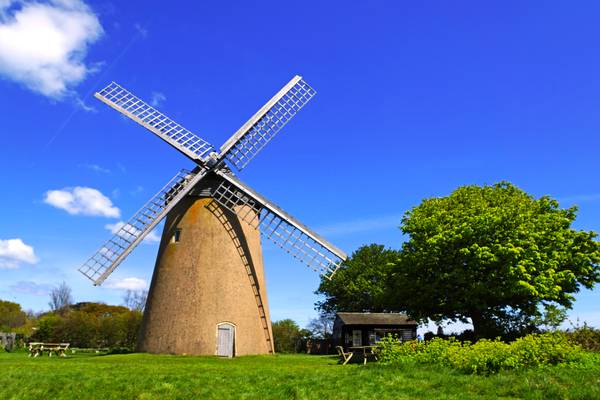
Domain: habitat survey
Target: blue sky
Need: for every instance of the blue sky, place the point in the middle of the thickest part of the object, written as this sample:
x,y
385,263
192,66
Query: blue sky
x,y
413,101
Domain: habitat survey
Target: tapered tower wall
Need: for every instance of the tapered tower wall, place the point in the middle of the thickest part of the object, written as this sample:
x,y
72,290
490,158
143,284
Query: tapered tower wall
x,y
213,274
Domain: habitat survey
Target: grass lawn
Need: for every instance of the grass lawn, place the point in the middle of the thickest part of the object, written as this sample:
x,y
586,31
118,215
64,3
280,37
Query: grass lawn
x,y
143,376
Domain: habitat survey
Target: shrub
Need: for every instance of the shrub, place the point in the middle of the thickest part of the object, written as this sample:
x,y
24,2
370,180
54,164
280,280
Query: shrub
x,y
545,349
389,350
585,336
485,356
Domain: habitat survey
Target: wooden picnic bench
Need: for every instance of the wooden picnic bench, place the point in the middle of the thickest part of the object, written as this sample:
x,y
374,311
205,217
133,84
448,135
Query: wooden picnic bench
x,y
366,351
37,349
345,356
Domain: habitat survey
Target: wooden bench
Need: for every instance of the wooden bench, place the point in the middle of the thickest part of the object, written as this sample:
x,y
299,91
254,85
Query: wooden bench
x,y
37,349
366,352
343,355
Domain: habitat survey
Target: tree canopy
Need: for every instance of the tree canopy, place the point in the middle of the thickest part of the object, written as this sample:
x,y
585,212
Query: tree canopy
x,y
494,255
60,298
287,335
361,282
90,324
11,316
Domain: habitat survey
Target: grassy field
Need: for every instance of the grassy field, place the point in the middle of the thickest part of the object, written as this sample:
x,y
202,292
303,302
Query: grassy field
x,y
142,376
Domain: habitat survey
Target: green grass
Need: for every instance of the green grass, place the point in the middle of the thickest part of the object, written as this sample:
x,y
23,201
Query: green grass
x,y
143,376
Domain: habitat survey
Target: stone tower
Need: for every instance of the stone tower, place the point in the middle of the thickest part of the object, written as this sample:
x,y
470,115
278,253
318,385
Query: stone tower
x,y
208,294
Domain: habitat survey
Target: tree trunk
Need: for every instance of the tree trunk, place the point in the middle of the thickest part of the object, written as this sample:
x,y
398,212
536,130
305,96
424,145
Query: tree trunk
x,y
484,326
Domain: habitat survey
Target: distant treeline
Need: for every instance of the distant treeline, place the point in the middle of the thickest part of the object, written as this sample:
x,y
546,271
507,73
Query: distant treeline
x,y
86,324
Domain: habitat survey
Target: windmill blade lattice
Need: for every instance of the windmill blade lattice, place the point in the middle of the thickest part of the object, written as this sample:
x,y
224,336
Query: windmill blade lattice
x,y
156,122
246,143
98,267
279,227
249,140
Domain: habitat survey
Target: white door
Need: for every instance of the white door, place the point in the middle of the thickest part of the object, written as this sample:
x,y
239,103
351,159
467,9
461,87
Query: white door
x,y
225,338
356,337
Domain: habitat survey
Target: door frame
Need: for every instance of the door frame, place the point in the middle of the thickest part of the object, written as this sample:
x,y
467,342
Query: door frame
x,y
231,324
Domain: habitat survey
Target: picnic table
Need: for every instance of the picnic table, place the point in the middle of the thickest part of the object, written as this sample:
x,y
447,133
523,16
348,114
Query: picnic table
x,y
367,352
37,349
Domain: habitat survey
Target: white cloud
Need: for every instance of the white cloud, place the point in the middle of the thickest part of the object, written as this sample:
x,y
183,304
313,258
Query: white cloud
x,y
82,200
143,32
85,107
43,44
153,237
117,226
131,283
31,288
121,228
96,168
157,99
13,252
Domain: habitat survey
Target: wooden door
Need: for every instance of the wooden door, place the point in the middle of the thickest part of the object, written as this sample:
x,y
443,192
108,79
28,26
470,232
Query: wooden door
x,y
225,340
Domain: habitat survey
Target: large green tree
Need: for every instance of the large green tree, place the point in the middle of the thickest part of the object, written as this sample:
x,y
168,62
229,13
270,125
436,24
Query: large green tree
x,y
90,324
11,316
361,283
287,335
494,255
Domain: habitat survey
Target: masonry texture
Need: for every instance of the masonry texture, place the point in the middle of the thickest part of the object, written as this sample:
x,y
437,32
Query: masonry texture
x,y
209,277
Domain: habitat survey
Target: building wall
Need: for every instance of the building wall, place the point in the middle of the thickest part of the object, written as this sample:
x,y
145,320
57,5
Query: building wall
x,y
405,332
203,280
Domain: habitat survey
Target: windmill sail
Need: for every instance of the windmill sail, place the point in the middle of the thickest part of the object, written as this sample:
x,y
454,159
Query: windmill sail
x,y
278,226
150,118
98,267
249,140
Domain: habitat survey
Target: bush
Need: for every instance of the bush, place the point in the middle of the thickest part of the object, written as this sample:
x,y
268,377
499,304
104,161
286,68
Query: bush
x,y
545,349
585,336
485,356
91,325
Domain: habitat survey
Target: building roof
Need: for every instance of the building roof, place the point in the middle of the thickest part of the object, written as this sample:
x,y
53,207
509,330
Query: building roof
x,y
355,318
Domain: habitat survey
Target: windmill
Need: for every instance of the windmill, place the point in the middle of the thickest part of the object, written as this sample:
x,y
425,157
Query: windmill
x,y
207,294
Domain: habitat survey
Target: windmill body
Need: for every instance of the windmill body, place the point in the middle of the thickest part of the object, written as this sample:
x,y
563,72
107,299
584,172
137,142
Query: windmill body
x,y
208,293
208,276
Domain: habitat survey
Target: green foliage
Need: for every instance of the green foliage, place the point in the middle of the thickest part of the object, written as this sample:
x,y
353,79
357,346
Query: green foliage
x,y
585,336
287,336
11,316
78,328
551,317
361,283
494,255
91,325
47,326
485,356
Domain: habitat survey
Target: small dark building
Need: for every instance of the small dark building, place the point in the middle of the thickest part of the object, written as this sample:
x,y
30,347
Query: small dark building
x,y
366,329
